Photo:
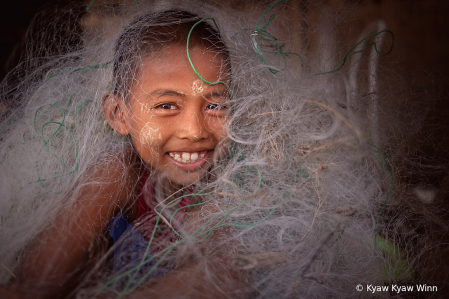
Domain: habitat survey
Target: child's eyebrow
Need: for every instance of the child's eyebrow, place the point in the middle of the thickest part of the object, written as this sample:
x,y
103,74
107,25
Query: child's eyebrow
x,y
215,94
164,92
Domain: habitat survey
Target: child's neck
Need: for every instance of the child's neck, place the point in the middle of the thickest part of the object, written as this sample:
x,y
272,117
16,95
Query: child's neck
x,y
167,191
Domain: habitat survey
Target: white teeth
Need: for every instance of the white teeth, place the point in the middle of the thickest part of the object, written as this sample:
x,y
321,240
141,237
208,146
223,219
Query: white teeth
x,y
186,157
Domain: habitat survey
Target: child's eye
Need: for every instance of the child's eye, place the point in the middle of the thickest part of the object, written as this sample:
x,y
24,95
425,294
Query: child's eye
x,y
216,107
217,110
167,106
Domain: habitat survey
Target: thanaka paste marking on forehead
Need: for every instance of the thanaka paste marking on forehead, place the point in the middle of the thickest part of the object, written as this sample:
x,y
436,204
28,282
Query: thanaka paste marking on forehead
x,y
198,87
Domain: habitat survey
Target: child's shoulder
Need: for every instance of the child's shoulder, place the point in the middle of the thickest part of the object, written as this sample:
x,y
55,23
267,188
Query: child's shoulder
x,y
114,178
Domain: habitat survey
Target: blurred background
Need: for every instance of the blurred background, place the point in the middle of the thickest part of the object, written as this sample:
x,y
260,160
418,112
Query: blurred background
x,y
418,69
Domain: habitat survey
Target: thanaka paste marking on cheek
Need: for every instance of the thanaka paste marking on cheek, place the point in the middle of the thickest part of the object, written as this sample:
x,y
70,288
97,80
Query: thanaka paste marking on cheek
x,y
198,87
149,141
148,134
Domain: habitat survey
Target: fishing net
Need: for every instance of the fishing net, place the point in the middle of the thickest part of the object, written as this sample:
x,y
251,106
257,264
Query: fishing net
x,y
295,197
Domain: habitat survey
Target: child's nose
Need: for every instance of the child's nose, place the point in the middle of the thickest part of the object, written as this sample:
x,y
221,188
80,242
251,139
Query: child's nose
x,y
192,126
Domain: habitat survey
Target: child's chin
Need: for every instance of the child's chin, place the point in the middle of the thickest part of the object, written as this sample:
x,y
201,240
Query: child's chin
x,y
187,178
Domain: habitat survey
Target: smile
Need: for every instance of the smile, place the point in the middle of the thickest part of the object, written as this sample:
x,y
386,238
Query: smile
x,y
189,161
187,157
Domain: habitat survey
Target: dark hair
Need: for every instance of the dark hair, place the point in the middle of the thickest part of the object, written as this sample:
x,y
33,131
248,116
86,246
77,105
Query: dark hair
x,y
152,33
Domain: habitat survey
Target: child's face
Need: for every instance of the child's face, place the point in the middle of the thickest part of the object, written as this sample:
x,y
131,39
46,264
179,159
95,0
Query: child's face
x,y
176,120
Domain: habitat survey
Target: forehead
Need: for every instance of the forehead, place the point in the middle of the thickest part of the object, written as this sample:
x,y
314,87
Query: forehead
x,y
171,68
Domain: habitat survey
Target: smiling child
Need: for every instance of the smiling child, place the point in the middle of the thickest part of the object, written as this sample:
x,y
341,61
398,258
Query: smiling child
x,y
175,120
176,123
215,154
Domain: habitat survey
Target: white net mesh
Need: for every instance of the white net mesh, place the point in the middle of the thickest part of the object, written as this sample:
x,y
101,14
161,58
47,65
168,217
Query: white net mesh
x,y
288,197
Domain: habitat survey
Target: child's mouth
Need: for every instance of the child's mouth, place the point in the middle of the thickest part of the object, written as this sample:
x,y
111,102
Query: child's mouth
x,y
189,161
187,157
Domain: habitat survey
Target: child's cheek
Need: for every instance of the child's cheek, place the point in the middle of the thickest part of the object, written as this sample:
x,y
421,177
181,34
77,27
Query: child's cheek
x,y
218,127
150,134
150,138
